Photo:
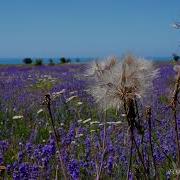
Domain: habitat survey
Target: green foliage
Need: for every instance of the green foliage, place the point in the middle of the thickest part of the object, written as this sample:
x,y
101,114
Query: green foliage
x,y
64,60
164,99
43,84
21,130
11,155
38,62
43,134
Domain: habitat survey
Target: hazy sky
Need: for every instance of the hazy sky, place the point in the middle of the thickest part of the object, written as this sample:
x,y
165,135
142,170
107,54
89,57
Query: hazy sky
x,y
88,28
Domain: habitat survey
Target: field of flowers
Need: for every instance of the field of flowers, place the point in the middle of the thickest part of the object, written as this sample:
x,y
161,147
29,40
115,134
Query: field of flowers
x,y
52,126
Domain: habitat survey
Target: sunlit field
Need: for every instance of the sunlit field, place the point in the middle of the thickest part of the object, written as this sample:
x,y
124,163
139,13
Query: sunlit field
x,y
53,127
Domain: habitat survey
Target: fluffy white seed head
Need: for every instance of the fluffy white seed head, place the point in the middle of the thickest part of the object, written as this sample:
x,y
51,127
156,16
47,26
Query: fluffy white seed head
x,y
115,80
177,70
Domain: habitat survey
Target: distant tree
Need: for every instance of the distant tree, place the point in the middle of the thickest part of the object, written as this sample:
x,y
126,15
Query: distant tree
x,y
65,60
38,62
51,62
62,60
27,61
175,57
68,60
77,60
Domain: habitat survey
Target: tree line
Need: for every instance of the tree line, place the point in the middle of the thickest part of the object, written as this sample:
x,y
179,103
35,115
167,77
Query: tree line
x,y
40,61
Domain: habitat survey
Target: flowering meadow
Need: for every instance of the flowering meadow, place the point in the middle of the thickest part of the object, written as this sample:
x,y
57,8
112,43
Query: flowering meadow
x,y
70,121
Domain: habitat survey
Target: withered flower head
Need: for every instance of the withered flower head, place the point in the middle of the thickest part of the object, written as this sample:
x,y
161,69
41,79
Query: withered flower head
x,y
47,99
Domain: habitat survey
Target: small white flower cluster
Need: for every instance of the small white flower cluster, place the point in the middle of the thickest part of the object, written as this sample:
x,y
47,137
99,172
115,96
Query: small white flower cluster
x,y
17,117
115,80
58,94
70,98
39,111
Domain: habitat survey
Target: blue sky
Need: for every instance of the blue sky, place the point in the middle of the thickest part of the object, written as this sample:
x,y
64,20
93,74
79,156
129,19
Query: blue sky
x,y
88,28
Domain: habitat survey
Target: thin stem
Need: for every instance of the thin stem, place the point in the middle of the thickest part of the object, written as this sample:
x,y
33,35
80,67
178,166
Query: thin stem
x,y
139,153
150,140
177,137
130,115
141,129
100,168
142,143
103,148
48,103
56,178
136,106
130,160
174,106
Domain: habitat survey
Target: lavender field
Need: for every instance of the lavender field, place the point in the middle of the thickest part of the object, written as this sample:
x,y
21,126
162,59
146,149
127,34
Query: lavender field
x,y
56,122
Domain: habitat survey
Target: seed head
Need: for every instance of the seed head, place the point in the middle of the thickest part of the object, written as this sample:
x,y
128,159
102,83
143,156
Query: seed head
x,y
115,81
47,100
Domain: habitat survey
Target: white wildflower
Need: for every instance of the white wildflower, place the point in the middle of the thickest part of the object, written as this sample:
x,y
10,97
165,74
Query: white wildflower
x,y
79,135
70,98
57,152
73,142
87,90
111,123
40,111
62,124
59,93
62,91
86,121
80,120
17,117
114,123
92,130
123,115
79,103
53,80
101,124
72,92
118,122
94,122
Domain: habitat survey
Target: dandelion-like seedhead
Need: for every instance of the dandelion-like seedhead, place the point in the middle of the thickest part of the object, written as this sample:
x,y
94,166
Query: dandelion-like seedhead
x,y
96,68
116,80
177,70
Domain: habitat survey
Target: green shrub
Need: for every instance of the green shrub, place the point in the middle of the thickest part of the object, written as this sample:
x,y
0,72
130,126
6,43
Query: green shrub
x,y
38,62
27,61
64,60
